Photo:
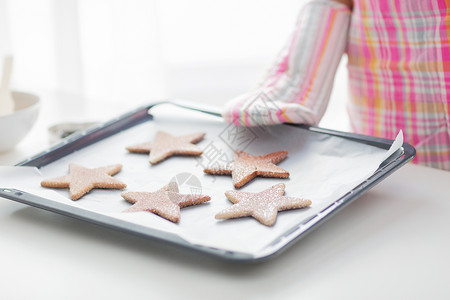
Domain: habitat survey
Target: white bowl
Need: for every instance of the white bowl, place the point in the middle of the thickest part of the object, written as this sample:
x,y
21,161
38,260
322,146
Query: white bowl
x,y
14,127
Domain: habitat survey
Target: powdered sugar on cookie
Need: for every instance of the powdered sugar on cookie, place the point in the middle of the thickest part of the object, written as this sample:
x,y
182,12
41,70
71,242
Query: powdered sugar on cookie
x,y
165,145
81,180
245,167
165,202
262,206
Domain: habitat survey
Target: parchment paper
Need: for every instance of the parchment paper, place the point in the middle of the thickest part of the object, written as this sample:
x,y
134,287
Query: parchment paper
x,y
323,168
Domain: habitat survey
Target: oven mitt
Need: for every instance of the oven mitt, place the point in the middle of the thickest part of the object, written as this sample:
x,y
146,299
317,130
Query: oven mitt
x,y
297,87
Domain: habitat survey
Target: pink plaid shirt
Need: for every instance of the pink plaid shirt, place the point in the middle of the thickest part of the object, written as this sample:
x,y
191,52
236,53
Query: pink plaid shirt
x,y
399,71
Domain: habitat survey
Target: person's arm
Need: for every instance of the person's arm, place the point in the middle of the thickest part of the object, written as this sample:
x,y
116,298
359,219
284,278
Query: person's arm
x,y
297,87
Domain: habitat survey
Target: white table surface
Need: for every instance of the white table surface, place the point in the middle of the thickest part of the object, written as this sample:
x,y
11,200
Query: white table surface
x,y
392,243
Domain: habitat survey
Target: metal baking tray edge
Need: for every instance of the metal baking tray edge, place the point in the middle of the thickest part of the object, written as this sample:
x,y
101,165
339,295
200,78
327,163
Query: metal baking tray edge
x,y
85,138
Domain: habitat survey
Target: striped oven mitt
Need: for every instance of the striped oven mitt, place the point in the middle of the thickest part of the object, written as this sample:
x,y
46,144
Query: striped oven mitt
x,y
297,87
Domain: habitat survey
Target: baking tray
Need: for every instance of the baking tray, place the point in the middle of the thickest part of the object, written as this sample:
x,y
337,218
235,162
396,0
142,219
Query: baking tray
x,y
81,140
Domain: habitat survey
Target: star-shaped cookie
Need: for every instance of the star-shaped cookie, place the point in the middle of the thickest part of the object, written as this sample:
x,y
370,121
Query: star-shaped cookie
x,y
245,167
165,145
262,206
165,202
81,180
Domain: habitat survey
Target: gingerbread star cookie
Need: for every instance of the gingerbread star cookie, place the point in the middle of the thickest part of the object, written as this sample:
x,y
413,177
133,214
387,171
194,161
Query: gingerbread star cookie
x,y
165,145
165,202
262,206
81,180
245,167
